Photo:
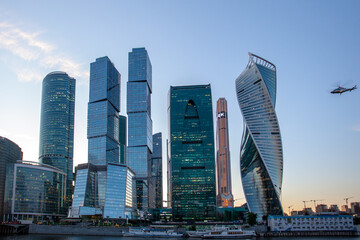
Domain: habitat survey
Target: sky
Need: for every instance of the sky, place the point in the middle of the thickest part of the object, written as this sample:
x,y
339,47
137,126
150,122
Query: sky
x,y
314,45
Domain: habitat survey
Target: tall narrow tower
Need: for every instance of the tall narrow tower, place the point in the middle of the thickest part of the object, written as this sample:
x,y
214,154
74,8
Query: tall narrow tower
x,y
224,196
103,113
140,140
261,155
191,153
57,125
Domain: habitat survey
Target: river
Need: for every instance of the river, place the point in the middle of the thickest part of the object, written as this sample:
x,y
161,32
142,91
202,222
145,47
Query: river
x,y
64,237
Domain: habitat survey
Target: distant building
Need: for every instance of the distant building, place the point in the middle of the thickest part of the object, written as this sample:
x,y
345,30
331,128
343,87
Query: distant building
x,y
355,207
56,145
261,153
109,191
334,208
191,153
10,152
34,191
156,171
224,197
321,208
140,145
345,208
311,223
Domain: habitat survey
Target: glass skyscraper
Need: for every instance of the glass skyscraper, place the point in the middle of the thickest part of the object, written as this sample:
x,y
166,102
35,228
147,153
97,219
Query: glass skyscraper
x,y
57,125
103,113
191,152
139,150
261,154
10,152
156,171
122,138
104,186
224,197
34,191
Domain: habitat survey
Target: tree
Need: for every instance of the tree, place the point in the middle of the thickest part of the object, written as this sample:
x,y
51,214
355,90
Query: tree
x,y
251,218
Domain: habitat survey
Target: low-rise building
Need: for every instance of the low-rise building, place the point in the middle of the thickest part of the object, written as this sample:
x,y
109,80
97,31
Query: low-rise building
x,y
107,191
34,191
311,223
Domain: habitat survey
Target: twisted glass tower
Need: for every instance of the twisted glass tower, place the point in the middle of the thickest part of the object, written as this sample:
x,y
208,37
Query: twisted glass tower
x,y
261,155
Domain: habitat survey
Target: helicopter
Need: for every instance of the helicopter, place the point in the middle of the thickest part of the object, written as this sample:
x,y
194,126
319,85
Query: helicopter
x,y
341,90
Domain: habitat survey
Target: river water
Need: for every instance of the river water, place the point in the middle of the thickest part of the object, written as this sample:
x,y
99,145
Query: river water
x,y
62,237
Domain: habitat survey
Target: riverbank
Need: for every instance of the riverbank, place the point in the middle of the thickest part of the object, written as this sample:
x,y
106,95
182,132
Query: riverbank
x,y
75,230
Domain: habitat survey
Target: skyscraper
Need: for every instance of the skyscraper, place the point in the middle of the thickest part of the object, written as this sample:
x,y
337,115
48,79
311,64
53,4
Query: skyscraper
x,y
139,150
261,156
122,138
105,186
224,197
103,113
10,152
191,152
57,125
156,171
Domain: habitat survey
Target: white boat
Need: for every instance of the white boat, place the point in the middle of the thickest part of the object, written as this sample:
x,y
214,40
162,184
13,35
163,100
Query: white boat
x,y
230,232
152,232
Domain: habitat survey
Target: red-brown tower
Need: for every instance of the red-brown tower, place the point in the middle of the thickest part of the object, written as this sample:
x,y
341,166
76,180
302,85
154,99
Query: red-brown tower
x,y
224,197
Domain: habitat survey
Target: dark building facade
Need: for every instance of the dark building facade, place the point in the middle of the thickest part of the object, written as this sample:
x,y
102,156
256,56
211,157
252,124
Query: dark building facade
x,y
224,197
57,125
261,154
122,138
156,171
139,150
10,152
191,152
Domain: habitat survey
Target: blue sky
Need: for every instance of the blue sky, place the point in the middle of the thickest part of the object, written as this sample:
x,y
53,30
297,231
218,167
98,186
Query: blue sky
x,y
314,44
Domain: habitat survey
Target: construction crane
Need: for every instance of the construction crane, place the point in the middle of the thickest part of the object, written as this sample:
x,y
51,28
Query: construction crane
x,y
319,200
305,203
346,199
289,208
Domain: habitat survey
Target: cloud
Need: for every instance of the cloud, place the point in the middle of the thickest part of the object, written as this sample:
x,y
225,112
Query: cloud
x,y
355,128
32,50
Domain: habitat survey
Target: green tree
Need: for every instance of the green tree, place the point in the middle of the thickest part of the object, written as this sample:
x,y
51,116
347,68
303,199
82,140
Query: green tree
x,y
251,218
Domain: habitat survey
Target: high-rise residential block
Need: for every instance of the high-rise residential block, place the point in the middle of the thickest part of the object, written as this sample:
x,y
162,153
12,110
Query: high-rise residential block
x,y
261,154
224,197
103,113
57,125
191,152
139,150
156,172
10,152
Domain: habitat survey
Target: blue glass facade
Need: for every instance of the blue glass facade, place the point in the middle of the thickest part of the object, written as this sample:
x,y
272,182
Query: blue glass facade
x,y
57,125
156,172
261,156
103,113
108,190
191,153
34,189
139,88
10,152
122,138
